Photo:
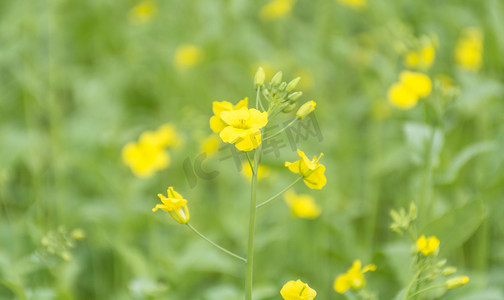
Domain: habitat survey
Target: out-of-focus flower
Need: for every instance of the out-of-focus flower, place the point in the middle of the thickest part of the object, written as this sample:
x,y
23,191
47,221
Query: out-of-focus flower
x,y
143,11
456,282
422,59
262,171
174,204
164,136
297,290
144,159
148,155
469,49
306,109
302,206
276,9
353,278
210,145
427,245
243,127
187,56
216,123
411,87
355,4
311,170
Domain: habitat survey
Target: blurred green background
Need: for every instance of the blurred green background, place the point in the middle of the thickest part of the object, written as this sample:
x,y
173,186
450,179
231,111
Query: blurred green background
x,y
80,79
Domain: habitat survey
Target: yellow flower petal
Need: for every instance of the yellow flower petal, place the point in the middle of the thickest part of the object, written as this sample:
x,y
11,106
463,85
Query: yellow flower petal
x,y
250,141
317,179
419,83
402,97
232,134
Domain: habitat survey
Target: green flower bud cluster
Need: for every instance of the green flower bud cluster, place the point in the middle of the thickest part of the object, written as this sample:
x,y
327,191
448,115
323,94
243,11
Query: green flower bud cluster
x,y
59,242
280,94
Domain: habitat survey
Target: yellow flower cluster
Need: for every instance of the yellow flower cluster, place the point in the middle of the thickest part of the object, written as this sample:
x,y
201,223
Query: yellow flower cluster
x,y
276,9
422,58
143,12
238,124
411,87
355,4
174,204
302,206
469,50
311,170
297,290
427,245
148,155
187,56
353,278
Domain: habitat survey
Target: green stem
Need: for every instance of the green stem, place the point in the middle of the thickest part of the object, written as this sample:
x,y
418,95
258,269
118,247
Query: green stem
x,y
425,201
250,162
410,285
250,250
215,245
280,193
281,130
427,289
258,99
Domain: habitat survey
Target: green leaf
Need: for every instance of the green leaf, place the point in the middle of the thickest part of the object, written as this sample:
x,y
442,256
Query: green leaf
x,y
463,157
456,226
423,140
398,255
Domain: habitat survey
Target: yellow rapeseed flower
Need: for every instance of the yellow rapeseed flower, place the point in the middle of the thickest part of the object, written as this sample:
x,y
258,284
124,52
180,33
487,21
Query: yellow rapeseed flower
x,y
302,206
353,278
143,11
469,50
262,171
411,87
456,282
210,145
427,245
145,159
243,127
148,155
297,290
311,170
276,9
175,204
422,59
187,56
355,4
216,123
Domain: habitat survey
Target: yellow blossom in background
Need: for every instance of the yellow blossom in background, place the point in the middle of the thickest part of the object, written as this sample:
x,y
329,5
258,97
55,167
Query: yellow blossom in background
x,y
427,245
144,159
311,170
422,59
148,155
353,278
216,123
411,87
297,290
276,9
143,12
469,50
262,171
355,4
210,145
164,136
456,282
174,204
243,127
187,56
302,206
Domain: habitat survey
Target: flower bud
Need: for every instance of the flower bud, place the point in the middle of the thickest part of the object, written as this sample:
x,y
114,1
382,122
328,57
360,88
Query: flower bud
x,y
289,108
441,263
259,76
282,86
456,282
276,79
448,271
295,96
306,109
292,84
